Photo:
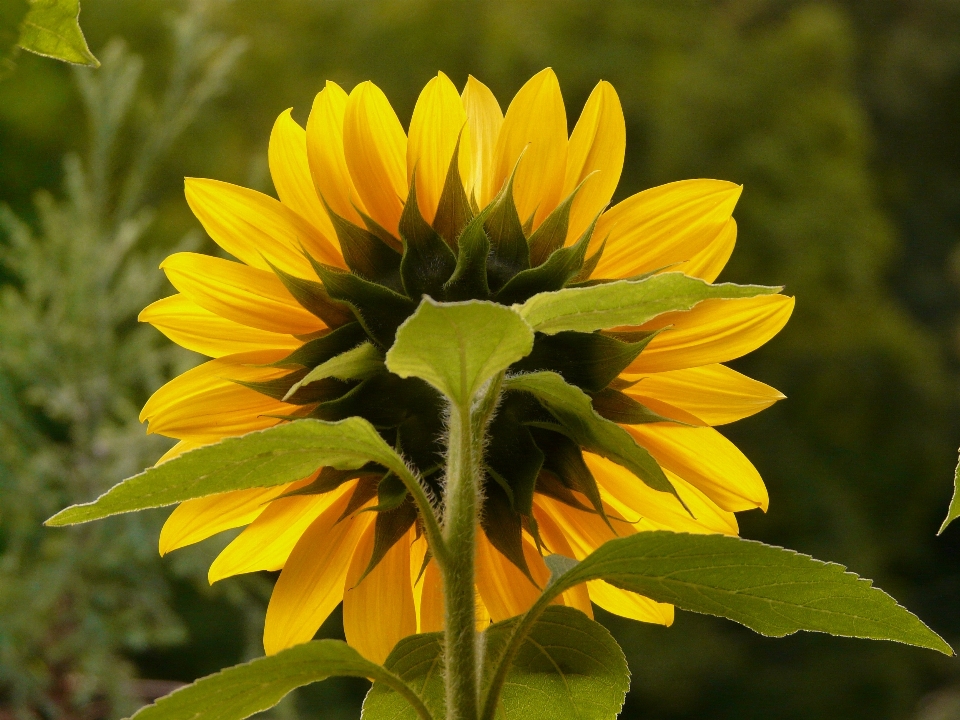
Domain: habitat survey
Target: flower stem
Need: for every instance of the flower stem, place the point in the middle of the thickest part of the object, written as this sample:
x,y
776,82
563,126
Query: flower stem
x,y
467,429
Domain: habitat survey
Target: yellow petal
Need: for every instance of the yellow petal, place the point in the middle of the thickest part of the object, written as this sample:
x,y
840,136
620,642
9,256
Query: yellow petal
x,y
596,151
198,519
204,404
708,263
328,164
179,449
190,326
378,611
714,394
714,331
438,120
270,538
375,148
663,225
290,171
255,228
428,596
634,500
243,294
312,582
553,538
505,590
484,119
535,125
629,605
707,460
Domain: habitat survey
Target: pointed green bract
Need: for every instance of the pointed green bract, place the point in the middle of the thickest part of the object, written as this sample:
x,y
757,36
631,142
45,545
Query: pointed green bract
x,y
357,364
469,280
263,458
954,512
625,302
453,209
244,690
52,29
378,308
428,262
457,347
314,298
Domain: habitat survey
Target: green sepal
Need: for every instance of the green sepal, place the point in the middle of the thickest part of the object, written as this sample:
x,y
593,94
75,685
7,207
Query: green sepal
x,y
358,363
366,254
623,409
329,479
588,360
509,252
454,210
389,527
364,492
391,492
286,389
552,233
314,298
381,232
590,264
469,279
428,262
378,308
564,459
502,526
562,265
325,347
550,485
513,458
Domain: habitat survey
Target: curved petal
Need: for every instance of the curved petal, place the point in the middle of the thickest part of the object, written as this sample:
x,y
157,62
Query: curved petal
x,y
709,262
255,228
437,122
535,125
553,538
484,118
312,582
634,499
205,404
290,171
243,294
629,605
200,518
375,148
179,449
270,538
190,326
714,394
663,225
708,461
328,165
378,611
505,590
714,331
597,145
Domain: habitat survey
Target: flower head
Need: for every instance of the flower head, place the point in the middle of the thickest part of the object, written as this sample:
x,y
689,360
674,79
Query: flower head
x,y
469,204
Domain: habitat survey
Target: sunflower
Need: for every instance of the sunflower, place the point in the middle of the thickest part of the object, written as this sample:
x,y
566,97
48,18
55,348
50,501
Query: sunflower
x,y
369,220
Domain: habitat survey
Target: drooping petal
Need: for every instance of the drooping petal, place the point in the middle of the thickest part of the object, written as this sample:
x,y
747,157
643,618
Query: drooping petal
x,y
179,449
629,605
714,331
270,538
429,597
709,262
535,125
707,460
437,122
597,145
375,148
714,394
246,295
650,509
378,611
555,541
205,404
255,228
663,225
290,171
484,119
200,518
312,582
505,590
328,165
190,326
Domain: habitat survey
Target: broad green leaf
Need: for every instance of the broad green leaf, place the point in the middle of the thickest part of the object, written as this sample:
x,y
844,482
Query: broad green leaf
x,y
357,364
625,302
457,347
567,667
263,458
574,411
243,690
418,661
52,29
773,591
954,512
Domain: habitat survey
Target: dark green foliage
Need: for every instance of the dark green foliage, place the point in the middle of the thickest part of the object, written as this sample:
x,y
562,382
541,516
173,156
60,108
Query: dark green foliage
x,y
621,408
469,279
366,253
453,210
427,261
313,297
510,253
323,348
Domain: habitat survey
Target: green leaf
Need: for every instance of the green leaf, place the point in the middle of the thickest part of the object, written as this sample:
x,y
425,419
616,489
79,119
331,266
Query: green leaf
x,y
244,690
625,302
773,591
357,364
428,262
469,280
457,347
574,411
954,512
418,661
52,29
263,458
567,667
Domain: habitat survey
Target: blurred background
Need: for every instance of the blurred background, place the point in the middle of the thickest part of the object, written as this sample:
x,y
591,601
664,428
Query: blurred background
x,y
839,117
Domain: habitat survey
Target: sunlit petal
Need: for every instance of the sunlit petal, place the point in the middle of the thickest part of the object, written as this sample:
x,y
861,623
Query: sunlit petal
x,y
484,119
